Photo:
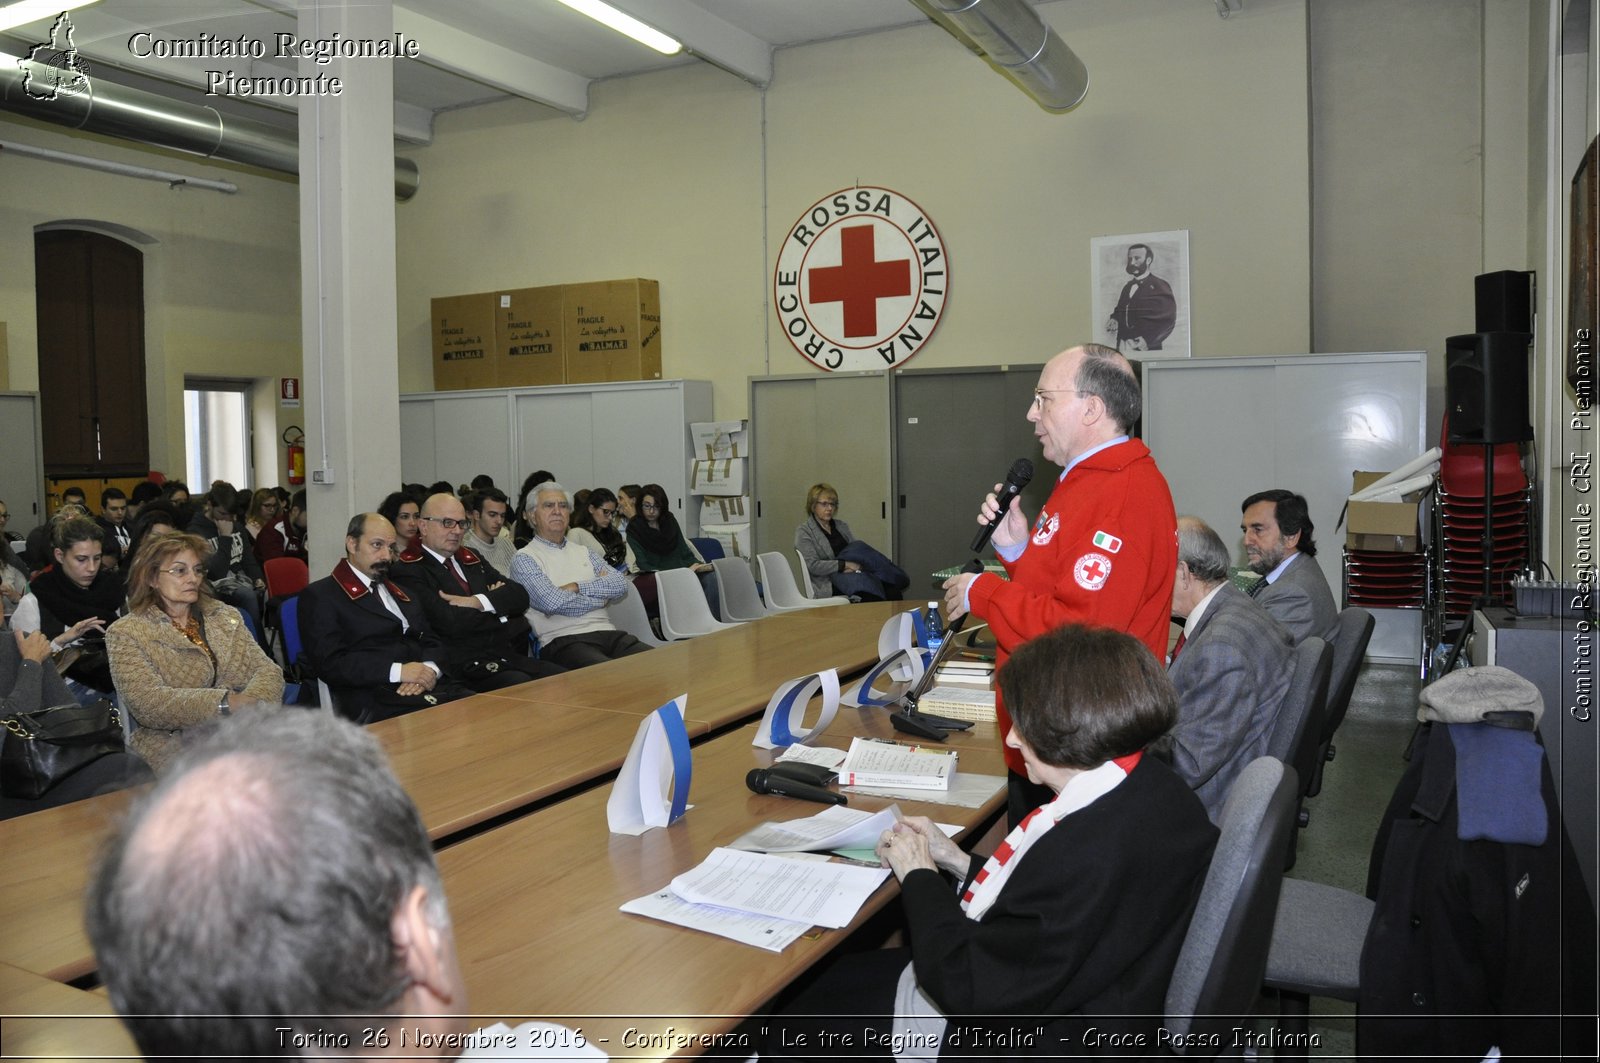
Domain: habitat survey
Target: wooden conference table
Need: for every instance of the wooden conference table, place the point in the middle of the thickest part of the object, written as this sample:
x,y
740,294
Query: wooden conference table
x,y
535,904
468,762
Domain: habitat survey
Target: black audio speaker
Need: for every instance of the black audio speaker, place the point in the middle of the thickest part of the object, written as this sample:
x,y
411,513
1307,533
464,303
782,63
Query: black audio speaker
x,y
1504,301
1486,387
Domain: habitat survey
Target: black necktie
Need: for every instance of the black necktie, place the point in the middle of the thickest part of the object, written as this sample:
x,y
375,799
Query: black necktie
x,y
1259,586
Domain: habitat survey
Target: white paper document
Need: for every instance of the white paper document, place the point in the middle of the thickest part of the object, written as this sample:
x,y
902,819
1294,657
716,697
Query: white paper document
x,y
967,790
835,828
823,894
762,931
826,756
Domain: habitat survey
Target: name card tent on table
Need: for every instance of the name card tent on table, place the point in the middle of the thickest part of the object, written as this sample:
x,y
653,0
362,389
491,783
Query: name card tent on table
x,y
899,660
652,789
780,724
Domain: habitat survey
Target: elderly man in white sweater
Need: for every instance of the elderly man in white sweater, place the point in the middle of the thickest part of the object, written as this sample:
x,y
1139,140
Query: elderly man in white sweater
x,y
568,588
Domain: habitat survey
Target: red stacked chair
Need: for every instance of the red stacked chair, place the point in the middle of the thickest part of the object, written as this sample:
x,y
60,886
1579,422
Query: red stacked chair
x,y
1462,513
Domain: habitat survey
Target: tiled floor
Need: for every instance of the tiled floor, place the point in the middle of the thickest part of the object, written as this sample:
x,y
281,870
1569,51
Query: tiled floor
x,y
1356,787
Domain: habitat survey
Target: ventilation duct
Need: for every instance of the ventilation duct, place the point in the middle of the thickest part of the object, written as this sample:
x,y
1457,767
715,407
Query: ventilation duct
x,y
1012,37
145,117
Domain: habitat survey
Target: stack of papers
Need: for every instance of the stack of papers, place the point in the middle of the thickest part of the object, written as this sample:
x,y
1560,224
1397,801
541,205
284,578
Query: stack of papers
x,y
762,900
871,762
959,703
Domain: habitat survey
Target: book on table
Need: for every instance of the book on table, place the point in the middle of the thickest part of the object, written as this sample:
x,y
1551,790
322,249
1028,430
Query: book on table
x,y
872,762
959,703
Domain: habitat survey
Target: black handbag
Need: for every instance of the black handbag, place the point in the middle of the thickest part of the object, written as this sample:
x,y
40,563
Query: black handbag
x,y
44,746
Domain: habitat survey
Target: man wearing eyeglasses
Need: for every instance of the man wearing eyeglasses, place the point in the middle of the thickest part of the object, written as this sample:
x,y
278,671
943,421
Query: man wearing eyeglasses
x,y
470,605
1104,549
367,637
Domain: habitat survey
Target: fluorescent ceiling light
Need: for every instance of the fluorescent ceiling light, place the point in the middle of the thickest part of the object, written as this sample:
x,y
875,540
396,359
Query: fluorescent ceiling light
x,y
25,11
623,23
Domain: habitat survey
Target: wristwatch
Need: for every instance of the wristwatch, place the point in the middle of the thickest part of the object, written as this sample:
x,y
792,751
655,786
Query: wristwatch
x,y
222,704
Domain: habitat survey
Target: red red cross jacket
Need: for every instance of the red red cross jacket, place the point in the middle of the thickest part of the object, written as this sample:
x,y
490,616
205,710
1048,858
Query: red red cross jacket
x,y
1103,552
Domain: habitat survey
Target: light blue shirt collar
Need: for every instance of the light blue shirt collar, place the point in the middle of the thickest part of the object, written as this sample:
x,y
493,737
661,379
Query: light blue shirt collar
x,y
1272,577
1090,453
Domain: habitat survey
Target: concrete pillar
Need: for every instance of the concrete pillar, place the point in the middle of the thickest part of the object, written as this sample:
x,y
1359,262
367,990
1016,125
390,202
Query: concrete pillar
x,y
347,278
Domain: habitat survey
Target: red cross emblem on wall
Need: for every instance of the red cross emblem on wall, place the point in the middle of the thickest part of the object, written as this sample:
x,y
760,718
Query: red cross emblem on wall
x,y
859,280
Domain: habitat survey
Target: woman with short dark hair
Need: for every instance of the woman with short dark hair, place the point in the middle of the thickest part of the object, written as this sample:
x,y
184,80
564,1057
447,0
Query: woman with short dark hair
x,y
1078,918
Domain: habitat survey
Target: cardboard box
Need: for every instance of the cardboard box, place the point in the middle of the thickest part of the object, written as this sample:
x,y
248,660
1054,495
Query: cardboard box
x,y
720,439
611,330
464,342
528,337
735,538
1390,527
723,476
726,509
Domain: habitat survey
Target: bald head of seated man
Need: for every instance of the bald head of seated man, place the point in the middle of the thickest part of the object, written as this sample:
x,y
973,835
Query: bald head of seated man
x,y
278,871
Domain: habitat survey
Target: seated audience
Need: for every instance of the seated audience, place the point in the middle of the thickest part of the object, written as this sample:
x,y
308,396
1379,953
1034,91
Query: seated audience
x,y
1277,541
181,658
401,509
286,535
264,509
13,573
521,530
476,612
836,561
659,544
5,520
232,568
1077,921
488,537
29,682
569,588
277,881
627,505
113,520
72,602
156,518
593,525
367,638
74,496
177,493
40,542
144,491
1231,667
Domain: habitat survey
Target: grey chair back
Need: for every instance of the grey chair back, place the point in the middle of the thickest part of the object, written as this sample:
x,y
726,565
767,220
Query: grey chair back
x,y
1349,647
1297,732
736,590
629,614
1218,975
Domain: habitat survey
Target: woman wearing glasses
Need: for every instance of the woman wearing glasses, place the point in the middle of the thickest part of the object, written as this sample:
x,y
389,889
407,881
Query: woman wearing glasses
x,y
180,658
658,543
594,525
836,561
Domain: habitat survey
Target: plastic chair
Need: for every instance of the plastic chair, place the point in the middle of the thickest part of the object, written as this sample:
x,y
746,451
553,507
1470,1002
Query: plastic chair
x,y
710,549
1297,733
805,577
289,624
1217,979
736,589
285,577
684,612
628,614
783,593
1349,647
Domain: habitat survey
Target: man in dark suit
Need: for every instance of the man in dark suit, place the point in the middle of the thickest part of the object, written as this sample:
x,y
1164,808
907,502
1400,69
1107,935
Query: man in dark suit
x,y
113,520
1277,541
1146,311
367,638
475,611
1231,668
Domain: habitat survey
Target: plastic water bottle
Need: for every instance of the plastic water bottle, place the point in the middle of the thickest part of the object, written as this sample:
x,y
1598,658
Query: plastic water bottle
x,y
935,627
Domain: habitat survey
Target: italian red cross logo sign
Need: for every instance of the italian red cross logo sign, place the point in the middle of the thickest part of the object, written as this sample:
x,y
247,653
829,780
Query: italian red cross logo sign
x,y
861,280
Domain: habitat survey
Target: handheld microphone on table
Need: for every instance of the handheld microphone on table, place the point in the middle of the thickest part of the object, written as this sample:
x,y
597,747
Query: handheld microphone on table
x,y
1021,472
769,781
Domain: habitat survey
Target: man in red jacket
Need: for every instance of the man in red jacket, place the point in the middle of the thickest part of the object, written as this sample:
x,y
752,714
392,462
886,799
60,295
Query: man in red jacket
x,y
1103,550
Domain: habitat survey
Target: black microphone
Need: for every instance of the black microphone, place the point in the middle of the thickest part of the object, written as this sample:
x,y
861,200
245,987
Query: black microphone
x,y
1021,472
765,781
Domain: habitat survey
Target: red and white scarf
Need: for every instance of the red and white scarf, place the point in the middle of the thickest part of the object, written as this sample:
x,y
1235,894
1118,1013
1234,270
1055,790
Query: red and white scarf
x,y
1083,790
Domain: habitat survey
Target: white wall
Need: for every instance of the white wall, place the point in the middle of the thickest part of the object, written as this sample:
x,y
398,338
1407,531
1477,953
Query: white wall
x,y
221,272
673,176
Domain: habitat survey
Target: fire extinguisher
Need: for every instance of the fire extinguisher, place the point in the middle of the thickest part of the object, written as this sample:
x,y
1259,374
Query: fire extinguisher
x,y
295,436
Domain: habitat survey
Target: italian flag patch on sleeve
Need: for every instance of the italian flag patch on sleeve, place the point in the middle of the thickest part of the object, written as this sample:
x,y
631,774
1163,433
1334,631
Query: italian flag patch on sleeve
x,y
1107,542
